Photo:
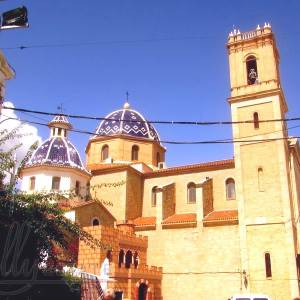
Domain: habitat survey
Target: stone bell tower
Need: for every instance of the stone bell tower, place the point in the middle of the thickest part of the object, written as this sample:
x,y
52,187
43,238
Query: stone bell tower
x,y
261,153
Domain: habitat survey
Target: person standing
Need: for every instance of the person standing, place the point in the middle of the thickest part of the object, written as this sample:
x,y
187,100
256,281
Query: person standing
x,y
104,271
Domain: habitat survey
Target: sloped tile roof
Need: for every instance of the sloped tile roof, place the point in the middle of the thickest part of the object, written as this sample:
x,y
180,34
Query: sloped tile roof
x,y
104,166
180,218
212,165
145,221
221,215
71,204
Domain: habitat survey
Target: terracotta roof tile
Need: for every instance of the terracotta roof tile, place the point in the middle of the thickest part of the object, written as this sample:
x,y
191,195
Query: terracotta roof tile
x,y
94,167
145,221
221,215
180,218
67,204
227,163
70,204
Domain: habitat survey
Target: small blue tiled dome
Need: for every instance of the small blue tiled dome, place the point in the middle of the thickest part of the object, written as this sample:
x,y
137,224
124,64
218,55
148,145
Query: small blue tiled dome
x,y
127,121
56,151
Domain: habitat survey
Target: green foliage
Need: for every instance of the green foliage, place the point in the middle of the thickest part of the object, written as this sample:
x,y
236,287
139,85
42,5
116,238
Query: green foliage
x,y
40,212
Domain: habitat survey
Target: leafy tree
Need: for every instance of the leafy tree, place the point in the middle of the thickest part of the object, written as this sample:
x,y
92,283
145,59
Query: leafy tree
x,y
32,226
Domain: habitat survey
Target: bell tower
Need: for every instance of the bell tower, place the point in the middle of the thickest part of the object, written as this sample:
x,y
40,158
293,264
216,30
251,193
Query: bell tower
x,y
253,61
261,160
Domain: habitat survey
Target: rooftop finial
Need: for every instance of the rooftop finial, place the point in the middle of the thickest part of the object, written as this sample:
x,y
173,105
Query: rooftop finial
x,y
61,108
126,104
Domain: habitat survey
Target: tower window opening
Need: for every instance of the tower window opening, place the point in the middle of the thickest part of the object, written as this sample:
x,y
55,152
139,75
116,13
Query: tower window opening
x,y
104,152
59,132
55,183
32,183
252,74
154,196
230,189
135,152
268,265
260,174
256,120
191,193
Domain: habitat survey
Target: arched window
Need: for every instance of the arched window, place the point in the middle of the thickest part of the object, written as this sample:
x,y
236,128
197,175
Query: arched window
x,y
256,120
157,158
135,152
142,291
121,257
59,132
128,259
154,196
136,259
230,189
55,183
95,222
88,190
191,192
260,175
32,183
268,265
104,152
251,65
77,188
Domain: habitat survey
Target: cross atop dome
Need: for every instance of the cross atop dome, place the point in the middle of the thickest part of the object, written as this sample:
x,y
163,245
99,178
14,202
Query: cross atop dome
x,y
126,104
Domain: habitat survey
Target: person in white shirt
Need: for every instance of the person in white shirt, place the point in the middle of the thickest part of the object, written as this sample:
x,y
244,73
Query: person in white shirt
x,y
104,271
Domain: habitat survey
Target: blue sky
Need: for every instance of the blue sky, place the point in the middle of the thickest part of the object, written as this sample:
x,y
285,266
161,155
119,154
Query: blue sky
x,y
184,76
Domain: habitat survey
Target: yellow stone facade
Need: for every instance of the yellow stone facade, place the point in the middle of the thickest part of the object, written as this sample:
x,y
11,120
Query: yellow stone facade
x,y
217,245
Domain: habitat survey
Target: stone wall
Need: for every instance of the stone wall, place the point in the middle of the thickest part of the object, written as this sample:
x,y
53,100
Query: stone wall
x,y
122,279
85,215
134,195
198,263
168,201
208,201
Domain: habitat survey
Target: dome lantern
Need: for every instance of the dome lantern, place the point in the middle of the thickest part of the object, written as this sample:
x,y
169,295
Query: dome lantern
x,y
59,126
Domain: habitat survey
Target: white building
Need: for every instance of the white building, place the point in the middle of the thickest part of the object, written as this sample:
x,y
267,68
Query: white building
x,y
56,166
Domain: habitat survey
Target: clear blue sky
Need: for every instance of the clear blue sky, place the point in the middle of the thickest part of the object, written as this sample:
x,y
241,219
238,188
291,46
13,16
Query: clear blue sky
x,y
180,79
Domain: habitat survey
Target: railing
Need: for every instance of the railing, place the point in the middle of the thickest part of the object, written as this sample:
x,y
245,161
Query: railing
x,y
90,287
249,35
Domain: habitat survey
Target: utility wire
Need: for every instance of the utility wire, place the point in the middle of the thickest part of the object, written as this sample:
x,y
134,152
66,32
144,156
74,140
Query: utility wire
x,y
175,142
151,121
115,42
222,140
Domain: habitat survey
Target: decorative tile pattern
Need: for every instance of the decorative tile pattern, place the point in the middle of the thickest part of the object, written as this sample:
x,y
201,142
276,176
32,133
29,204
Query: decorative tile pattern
x,y
60,119
56,151
127,122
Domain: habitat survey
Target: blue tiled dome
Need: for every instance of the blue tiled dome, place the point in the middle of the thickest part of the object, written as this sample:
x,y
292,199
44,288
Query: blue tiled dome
x,y
56,151
127,121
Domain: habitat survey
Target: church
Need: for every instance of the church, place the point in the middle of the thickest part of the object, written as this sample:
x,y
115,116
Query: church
x,y
203,231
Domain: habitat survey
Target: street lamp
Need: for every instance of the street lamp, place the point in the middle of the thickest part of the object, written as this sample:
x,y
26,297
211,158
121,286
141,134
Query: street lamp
x,y
15,18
